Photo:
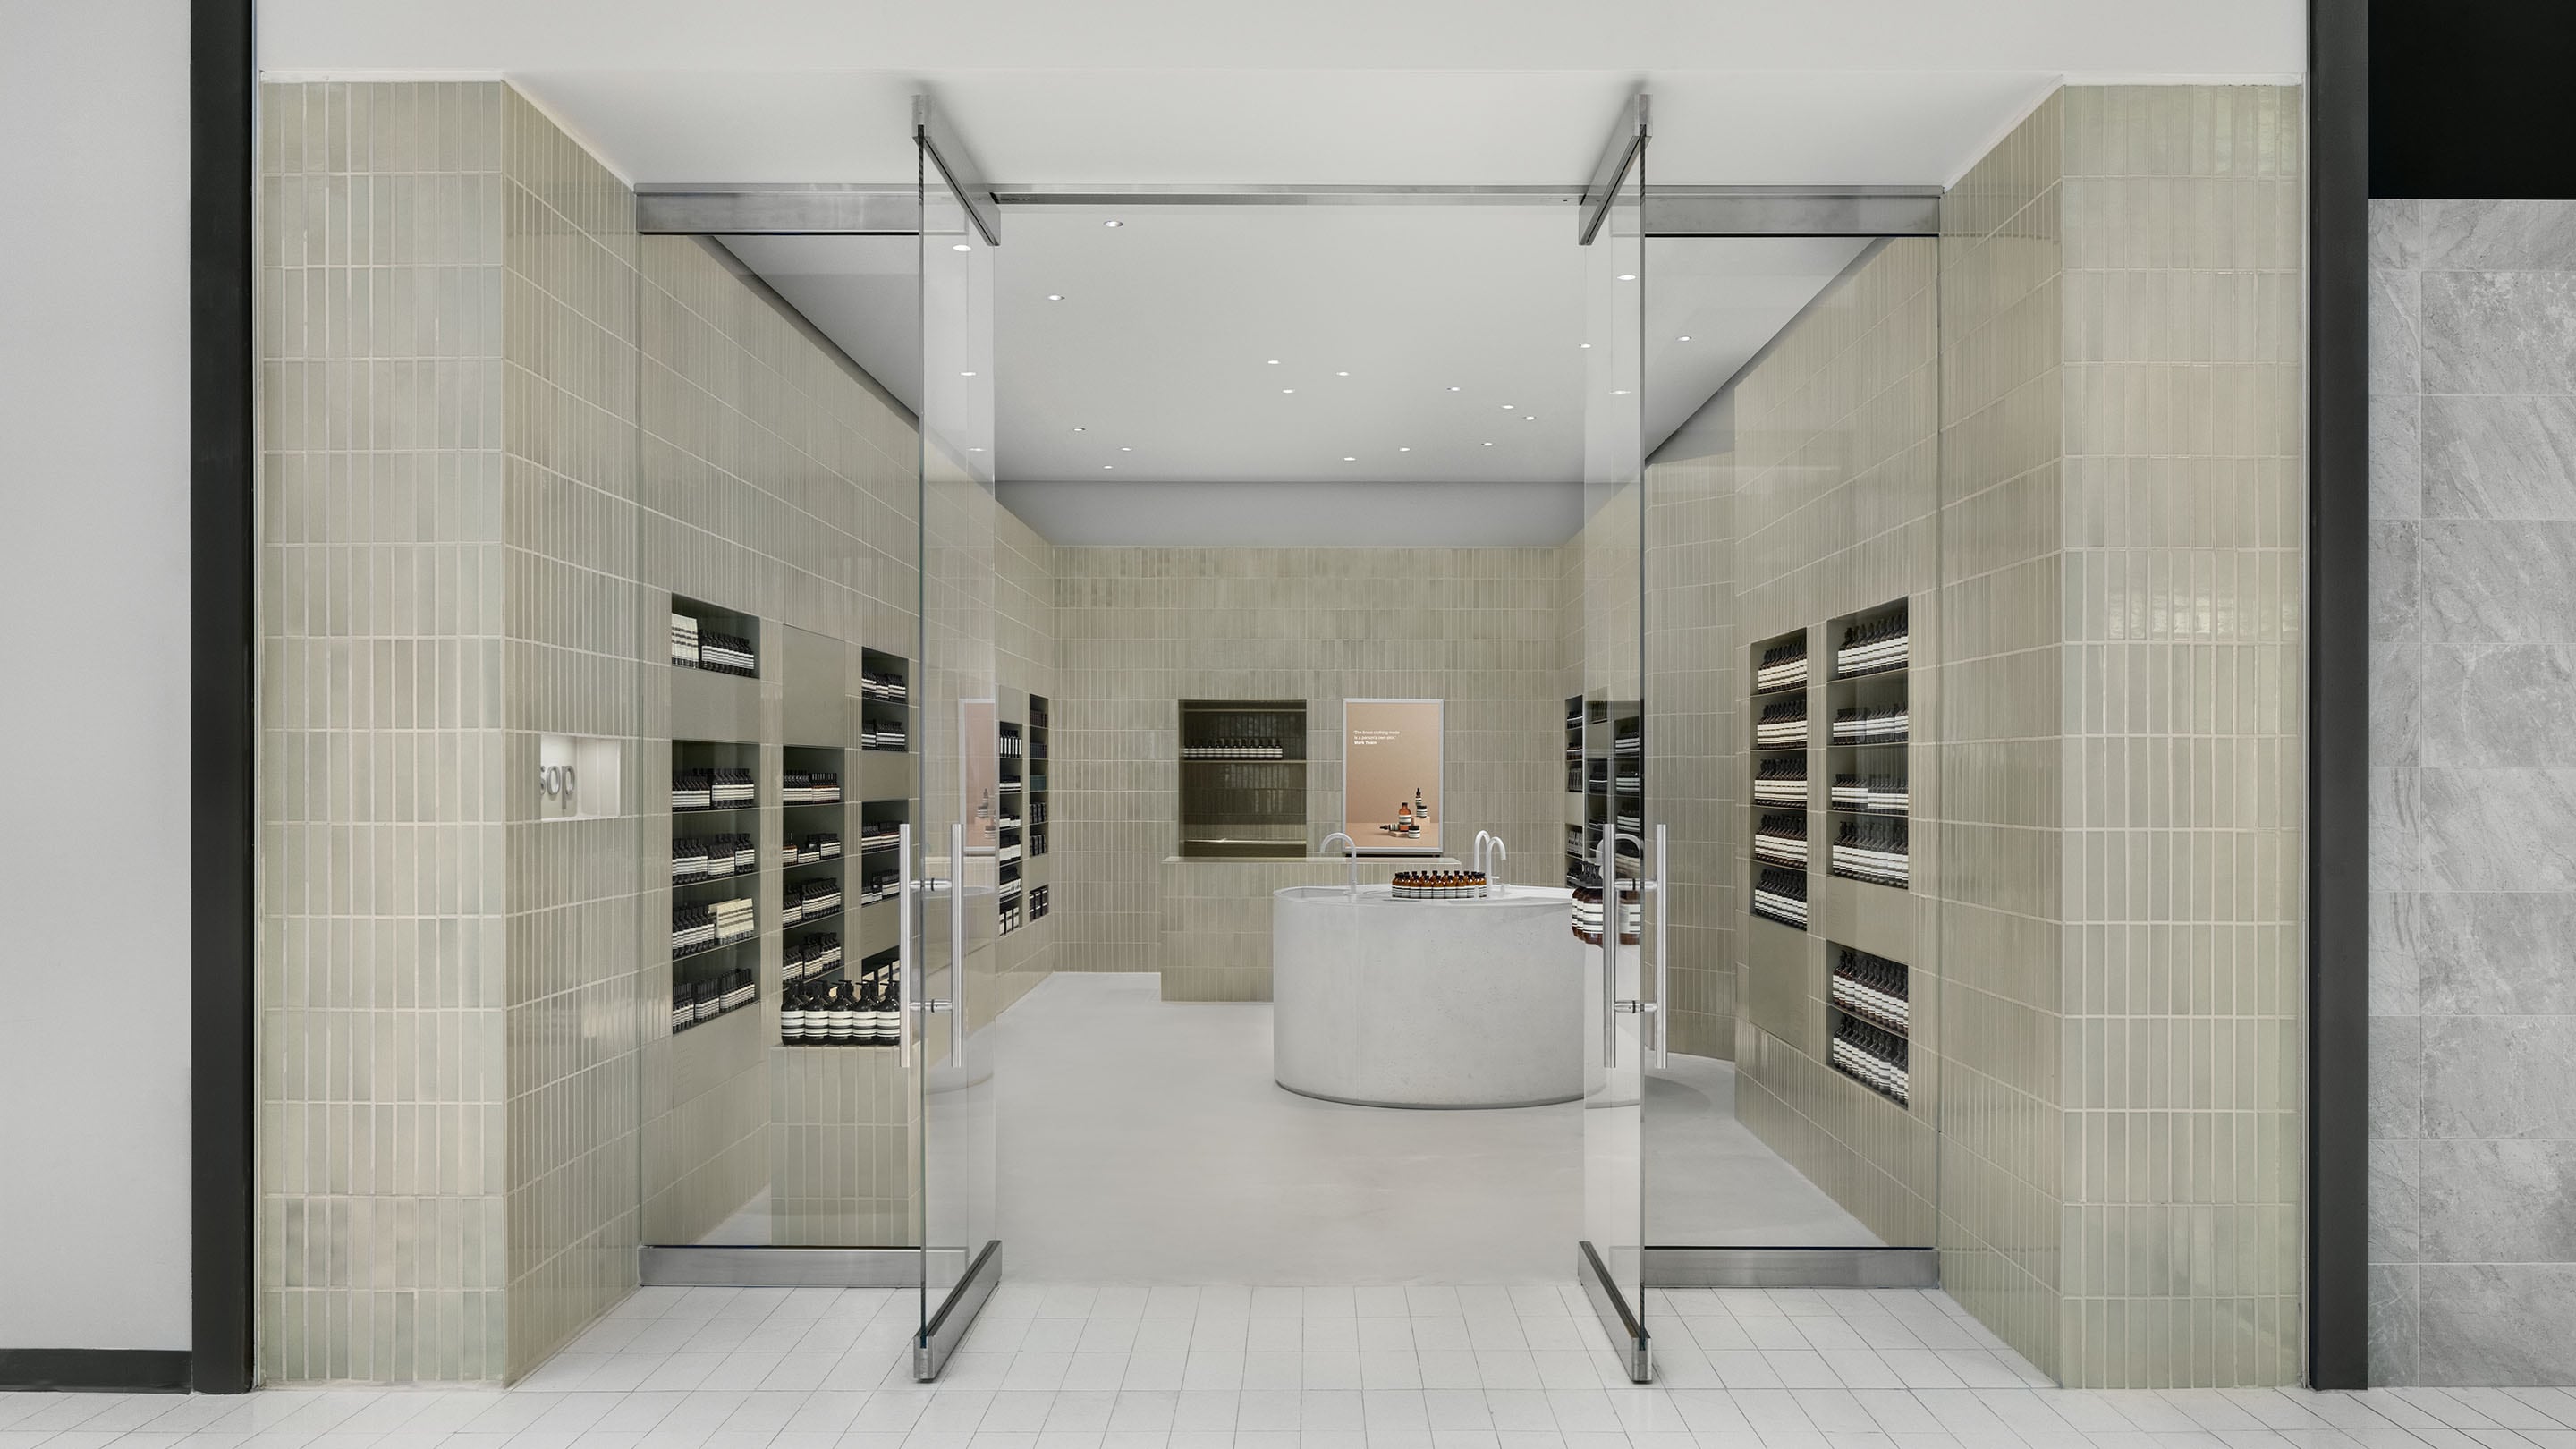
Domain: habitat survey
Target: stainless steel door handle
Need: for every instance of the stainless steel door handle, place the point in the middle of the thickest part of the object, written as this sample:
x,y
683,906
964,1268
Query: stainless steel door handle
x,y
1662,887
908,972
957,943
1611,920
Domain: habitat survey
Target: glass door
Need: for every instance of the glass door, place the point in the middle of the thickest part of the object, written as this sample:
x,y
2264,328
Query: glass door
x,y
948,936
1617,1019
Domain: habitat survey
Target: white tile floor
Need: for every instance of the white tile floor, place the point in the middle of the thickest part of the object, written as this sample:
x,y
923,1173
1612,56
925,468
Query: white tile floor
x,y
1144,1141
1071,1367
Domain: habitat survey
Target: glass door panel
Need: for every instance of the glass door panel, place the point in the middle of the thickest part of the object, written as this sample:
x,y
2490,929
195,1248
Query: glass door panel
x,y
949,936
1617,1023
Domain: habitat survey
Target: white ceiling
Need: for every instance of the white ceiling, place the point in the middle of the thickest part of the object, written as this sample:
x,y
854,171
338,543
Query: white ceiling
x,y
1456,91
1157,364
1162,341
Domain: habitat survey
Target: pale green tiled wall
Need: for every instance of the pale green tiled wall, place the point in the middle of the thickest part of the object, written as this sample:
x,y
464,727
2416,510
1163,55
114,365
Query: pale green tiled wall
x,y
2183,512
1692,764
778,480
1024,656
1835,464
1141,628
2123,576
575,630
384,990
448,1091
467,542
1999,757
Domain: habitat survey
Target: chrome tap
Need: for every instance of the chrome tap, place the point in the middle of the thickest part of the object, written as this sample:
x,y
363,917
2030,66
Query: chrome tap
x,y
1477,863
1495,855
1355,859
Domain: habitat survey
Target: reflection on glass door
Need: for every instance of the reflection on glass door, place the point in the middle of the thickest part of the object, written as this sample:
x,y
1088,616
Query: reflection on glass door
x,y
1617,1012
949,937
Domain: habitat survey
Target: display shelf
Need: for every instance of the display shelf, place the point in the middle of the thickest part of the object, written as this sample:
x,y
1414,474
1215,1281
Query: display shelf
x,y
1875,1058
1243,805
1873,642
858,1009
696,949
1033,809
1868,746
701,1002
1780,894
717,640
725,907
1872,851
1780,666
1870,1016
885,702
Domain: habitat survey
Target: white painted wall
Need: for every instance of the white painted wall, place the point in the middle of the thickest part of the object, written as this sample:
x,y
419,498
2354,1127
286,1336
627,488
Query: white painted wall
x,y
94,681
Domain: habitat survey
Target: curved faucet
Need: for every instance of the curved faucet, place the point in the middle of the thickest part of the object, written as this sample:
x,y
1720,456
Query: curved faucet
x,y
1477,864
1355,859
1495,855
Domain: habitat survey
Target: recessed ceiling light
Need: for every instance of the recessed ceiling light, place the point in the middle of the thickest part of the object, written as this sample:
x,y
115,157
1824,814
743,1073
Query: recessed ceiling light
x,y
1274,362
965,374
1507,407
1080,429
1059,296
1685,337
1587,347
1287,389
1623,276
1350,460
1404,450
974,450
961,247
1113,222
1618,392
1341,374
1453,389
1105,467
1489,445
1126,450
1529,417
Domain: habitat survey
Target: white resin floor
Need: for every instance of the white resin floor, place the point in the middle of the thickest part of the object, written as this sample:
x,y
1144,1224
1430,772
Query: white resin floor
x,y
1143,1141
1136,1367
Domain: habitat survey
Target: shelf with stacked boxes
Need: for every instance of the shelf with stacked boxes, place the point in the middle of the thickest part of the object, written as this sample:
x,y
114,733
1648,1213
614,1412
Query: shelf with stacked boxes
x,y
1780,894
1033,809
860,1006
717,640
715,867
885,702
1577,802
1010,835
1781,796
813,881
704,1000
1243,779
1612,772
1870,1013
1867,743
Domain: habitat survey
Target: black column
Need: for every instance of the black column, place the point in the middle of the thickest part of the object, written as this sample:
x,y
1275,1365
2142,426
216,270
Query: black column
x,y
2339,694
221,644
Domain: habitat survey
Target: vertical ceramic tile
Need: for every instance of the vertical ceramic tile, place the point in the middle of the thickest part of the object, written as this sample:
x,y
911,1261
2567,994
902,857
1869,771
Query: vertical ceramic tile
x,y
1140,629
384,1004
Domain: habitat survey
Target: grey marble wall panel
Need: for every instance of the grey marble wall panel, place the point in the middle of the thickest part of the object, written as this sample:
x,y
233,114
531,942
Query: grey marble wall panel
x,y
2496,1323
2473,942
2498,953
